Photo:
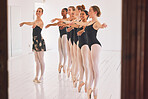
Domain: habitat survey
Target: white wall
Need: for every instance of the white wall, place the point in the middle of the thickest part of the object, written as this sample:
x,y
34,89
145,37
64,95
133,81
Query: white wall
x,y
111,15
26,14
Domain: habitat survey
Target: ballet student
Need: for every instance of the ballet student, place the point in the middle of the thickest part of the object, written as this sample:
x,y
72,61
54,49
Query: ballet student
x,y
78,10
71,13
95,47
82,51
62,47
38,44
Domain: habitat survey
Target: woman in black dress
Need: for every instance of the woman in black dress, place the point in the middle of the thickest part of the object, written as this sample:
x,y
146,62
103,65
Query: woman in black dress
x,y
38,44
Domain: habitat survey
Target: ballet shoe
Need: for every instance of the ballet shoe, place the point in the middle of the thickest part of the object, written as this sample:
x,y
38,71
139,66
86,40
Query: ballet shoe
x,y
80,86
74,82
36,80
94,93
95,97
59,69
89,93
63,70
85,89
68,72
41,79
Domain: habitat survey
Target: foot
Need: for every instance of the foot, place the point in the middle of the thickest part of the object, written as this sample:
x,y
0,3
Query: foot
x,y
80,86
74,82
68,72
64,69
89,93
59,69
85,88
36,80
41,79
95,97
95,93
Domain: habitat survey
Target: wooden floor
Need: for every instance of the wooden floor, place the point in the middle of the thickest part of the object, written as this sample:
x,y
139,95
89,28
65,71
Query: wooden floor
x,y
58,86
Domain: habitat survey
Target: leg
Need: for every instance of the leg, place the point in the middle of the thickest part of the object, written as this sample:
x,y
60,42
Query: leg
x,y
84,51
69,58
60,54
41,60
81,69
76,61
75,76
91,76
72,58
95,53
37,66
64,41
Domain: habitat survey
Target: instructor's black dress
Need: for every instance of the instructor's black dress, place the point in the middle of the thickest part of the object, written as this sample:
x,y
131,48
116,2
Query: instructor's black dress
x,y
38,41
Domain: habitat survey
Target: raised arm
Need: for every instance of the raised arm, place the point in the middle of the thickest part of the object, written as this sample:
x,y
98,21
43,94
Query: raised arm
x,y
54,24
26,23
98,25
80,23
58,19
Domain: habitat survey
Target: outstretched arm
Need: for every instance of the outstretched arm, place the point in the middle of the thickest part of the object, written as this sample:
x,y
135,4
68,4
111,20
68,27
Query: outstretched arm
x,y
55,24
26,23
58,19
80,23
98,25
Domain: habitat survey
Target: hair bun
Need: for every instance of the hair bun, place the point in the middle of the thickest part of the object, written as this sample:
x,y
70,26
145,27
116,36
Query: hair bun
x,y
83,7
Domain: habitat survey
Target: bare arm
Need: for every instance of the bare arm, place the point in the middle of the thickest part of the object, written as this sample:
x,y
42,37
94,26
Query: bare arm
x,y
80,23
81,31
98,25
26,23
58,19
69,29
55,24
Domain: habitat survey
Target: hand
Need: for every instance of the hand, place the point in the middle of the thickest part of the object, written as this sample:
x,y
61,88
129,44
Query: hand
x,y
69,29
104,25
71,23
62,27
47,26
53,20
21,24
79,33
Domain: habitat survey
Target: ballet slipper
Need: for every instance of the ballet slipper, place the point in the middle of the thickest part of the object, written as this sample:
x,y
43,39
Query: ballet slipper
x,y
95,94
36,80
95,97
68,72
41,79
64,69
80,86
74,82
59,69
85,88
89,93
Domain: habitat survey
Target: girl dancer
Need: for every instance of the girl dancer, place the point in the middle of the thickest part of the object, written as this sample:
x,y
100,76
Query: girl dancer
x,y
83,51
79,8
95,47
62,41
71,10
38,44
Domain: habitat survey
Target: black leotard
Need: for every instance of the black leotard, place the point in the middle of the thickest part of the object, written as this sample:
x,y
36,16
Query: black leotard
x,y
83,39
91,33
63,31
75,36
38,41
71,36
